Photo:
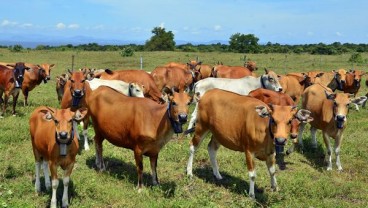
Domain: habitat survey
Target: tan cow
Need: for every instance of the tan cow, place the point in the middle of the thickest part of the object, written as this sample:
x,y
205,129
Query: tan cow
x,y
233,72
191,65
329,111
333,80
60,85
54,142
293,84
244,124
169,77
139,124
137,76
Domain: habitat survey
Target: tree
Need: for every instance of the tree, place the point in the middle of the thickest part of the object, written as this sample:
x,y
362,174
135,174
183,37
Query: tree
x,y
16,48
244,43
161,40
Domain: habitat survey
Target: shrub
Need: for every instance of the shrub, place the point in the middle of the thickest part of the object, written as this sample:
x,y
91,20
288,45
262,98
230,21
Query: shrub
x,y
127,52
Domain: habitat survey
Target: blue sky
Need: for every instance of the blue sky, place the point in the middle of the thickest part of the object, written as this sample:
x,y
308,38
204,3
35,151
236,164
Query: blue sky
x,y
277,21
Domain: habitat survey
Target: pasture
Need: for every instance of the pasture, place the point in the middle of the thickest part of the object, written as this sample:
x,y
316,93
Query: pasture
x,y
305,182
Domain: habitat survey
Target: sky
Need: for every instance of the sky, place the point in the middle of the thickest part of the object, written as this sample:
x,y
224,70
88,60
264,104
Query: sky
x,y
194,21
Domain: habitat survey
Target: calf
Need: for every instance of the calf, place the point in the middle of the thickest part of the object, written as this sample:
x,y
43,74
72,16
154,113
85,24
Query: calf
x,y
329,111
142,125
241,123
11,80
54,143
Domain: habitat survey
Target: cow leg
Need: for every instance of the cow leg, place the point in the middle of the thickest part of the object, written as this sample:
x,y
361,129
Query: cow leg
x,y
193,118
66,179
212,148
139,165
37,182
46,174
6,97
55,183
251,173
15,99
329,150
314,137
153,162
85,131
337,152
272,171
198,137
25,93
300,135
99,150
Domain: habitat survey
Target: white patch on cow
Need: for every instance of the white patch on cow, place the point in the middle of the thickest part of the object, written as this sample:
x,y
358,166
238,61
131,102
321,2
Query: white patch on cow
x,y
190,161
65,200
272,171
252,178
212,153
85,135
55,184
120,86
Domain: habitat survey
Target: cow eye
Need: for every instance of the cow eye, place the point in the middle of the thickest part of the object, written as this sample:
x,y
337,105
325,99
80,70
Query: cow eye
x,y
173,103
56,121
290,121
189,103
83,81
72,81
270,79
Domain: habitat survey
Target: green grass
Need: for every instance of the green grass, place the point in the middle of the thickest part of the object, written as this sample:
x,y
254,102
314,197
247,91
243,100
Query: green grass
x,y
305,182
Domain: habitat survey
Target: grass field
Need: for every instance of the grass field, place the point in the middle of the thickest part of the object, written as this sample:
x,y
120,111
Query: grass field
x,y
305,182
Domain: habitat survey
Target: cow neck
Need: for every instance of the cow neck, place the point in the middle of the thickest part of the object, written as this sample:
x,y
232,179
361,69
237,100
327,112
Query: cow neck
x,y
175,125
262,83
17,84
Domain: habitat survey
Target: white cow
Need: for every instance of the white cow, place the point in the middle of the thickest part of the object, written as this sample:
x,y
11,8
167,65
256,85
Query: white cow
x,y
129,89
268,80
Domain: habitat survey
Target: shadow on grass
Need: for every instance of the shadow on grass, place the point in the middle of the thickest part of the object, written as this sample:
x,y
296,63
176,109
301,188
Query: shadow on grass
x,y
122,170
59,192
234,184
315,156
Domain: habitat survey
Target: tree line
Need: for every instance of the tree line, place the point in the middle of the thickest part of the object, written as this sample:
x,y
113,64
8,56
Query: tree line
x,y
163,40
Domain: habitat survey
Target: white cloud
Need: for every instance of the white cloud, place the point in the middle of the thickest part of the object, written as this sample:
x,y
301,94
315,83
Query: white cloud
x,y
60,26
338,34
162,25
27,25
217,27
73,26
8,23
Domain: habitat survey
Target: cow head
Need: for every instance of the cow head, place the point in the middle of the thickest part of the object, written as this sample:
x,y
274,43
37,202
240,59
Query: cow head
x,y
340,107
302,116
193,65
47,68
62,79
42,73
251,65
340,78
136,90
178,108
354,77
77,86
18,72
310,77
270,80
65,125
280,119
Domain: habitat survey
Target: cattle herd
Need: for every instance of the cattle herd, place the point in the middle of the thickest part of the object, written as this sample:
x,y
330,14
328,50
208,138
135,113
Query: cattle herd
x,y
242,111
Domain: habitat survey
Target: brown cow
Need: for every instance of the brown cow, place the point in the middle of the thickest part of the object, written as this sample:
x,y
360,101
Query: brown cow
x,y
233,72
54,142
333,80
203,72
169,77
241,123
34,77
11,80
329,111
191,65
293,84
137,76
271,97
60,85
353,79
139,124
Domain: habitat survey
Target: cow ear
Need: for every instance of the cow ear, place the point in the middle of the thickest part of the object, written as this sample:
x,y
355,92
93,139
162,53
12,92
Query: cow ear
x,y
266,70
262,111
304,116
70,72
80,114
52,65
320,74
330,96
359,100
47,114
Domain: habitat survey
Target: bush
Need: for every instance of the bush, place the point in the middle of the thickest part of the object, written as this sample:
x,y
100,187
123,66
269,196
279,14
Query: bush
x,y
356,58
127,52
16,48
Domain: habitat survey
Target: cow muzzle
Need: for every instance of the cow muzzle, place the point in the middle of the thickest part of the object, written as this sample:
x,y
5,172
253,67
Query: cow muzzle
x,y
280,141
63,141
182,118
78,93
340,121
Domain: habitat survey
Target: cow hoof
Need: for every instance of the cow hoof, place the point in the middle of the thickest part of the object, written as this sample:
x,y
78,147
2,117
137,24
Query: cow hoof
x,y
329,168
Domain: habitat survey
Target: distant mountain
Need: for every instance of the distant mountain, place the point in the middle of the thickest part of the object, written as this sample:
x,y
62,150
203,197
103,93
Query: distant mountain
x,y
33,40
